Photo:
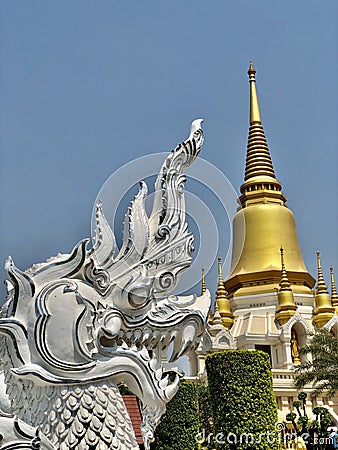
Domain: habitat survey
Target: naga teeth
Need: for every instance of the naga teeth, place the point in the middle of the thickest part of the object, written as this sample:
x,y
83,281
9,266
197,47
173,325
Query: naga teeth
x,y
188,337
128,336
147,335
175,350
171,390
183,342
144,354
155,339
158,374
185,348
173,335
124,345
153,364
137,337
165,341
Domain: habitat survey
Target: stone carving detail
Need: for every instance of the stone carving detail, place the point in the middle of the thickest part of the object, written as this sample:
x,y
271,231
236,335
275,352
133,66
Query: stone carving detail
x,y
292,321
16,435
331,323
74,327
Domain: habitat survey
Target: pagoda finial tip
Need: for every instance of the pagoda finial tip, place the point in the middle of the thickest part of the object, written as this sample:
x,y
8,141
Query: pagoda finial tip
x,y
251,70
255,115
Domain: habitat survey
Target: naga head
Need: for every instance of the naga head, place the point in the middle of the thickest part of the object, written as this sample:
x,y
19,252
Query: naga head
x,y
100,313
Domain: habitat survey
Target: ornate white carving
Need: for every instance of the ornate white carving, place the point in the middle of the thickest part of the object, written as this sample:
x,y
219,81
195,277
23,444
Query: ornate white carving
x,y
297,317
16,435
331,323
223,339
225,335
75,326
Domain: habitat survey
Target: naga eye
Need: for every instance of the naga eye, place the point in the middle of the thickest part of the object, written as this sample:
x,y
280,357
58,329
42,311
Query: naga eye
x,y
139,297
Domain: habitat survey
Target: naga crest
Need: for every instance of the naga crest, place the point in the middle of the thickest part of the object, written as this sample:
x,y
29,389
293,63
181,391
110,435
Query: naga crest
x,y
76,326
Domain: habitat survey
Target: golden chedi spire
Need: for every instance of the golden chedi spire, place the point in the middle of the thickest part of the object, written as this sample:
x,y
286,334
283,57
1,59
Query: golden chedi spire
x,y
258,159
334,295
286,302
222,300
263,221
323,311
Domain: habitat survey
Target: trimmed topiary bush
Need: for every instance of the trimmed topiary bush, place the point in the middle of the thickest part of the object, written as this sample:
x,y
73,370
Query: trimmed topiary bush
x,y
242,400
179,426
205,415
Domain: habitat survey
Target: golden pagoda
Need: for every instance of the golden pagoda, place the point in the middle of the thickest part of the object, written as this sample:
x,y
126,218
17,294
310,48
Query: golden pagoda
x,y
324,310
267,303
286,302
222,300
263,222
334,295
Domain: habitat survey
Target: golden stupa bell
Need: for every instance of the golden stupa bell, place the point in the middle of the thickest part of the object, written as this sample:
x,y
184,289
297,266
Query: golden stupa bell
x,y
263,221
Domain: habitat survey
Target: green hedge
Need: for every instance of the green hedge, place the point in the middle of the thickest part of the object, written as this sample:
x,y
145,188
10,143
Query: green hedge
x,y
205,415
242,400
179,426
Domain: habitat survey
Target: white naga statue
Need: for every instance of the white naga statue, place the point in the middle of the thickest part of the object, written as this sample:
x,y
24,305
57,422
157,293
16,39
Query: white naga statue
x,y
77,325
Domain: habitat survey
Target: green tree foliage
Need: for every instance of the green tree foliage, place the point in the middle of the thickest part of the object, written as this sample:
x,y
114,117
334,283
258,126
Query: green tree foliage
x,y
179,426
242,399
322,371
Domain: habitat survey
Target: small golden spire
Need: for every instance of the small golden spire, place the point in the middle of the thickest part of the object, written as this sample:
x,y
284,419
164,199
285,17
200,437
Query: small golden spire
x,y
286,302
255,115
334,295
222,300
203,285
323,311
221,292
321,285
284,282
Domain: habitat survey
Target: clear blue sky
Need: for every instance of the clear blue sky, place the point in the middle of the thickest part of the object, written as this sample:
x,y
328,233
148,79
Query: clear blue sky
x,y
87,86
